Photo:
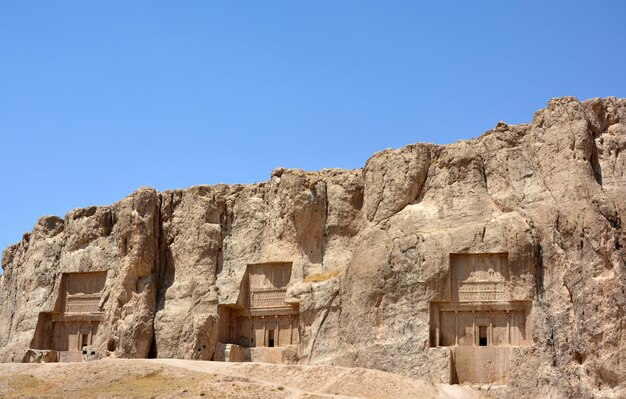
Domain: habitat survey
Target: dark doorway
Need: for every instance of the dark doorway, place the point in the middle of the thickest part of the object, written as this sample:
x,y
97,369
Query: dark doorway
x,y
270,339
482,335
84,340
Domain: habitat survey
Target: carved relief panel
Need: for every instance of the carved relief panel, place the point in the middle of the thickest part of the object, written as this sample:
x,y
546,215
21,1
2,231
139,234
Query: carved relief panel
x,y
480,323
263,318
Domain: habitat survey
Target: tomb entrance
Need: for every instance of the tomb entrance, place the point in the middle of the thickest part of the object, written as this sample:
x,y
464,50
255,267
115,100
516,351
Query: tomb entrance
x,y
71,327
480,323
261,317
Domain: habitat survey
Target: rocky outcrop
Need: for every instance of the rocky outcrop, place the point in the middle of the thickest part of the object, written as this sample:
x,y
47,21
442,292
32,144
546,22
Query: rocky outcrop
x,y
121,238
370,250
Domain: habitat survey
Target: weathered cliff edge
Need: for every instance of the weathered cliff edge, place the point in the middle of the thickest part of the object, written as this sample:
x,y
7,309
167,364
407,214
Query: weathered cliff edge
x,y
370,250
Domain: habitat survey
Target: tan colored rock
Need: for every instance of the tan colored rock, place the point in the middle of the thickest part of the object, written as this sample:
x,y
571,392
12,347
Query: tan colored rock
x,y
185,322
394,179
120,239
370,254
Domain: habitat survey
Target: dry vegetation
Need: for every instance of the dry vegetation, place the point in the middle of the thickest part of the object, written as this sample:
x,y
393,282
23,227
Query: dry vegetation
x,y
316,278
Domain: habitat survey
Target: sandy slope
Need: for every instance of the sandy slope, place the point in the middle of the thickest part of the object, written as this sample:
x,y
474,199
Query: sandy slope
x,y
173,378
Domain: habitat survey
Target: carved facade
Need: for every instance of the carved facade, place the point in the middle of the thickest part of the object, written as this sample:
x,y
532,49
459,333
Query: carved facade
x,y
71,327
261,317
477,318
480,322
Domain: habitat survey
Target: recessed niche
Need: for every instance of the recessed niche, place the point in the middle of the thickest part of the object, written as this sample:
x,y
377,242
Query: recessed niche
x,y
73,324
480,318
261,318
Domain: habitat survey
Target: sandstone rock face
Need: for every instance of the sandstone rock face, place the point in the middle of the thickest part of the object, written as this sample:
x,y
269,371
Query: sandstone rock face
x,y
370,252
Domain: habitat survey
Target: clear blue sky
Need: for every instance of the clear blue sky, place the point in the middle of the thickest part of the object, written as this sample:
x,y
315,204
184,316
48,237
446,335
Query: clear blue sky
x,y
100,98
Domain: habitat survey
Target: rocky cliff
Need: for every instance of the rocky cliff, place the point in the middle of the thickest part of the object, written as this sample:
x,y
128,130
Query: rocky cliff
x,y
370,251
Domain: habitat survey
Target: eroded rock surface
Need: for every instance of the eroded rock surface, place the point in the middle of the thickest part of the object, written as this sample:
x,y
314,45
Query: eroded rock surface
x,y
370,251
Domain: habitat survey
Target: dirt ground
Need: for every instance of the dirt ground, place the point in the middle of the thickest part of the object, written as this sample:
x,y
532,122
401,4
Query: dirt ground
x,y
173,378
